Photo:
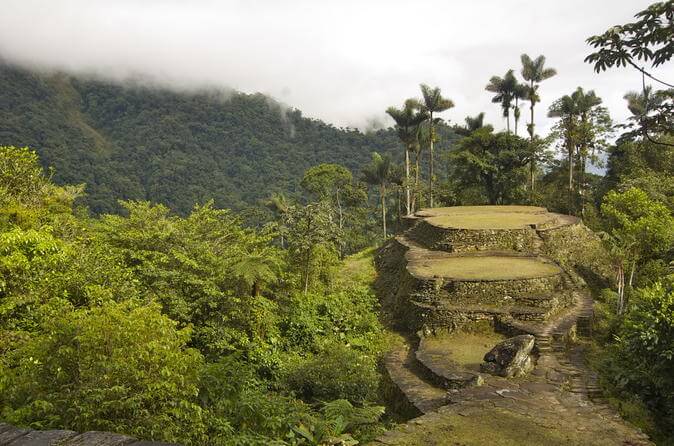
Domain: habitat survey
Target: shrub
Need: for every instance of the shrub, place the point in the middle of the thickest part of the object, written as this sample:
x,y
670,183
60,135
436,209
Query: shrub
x,y
336,372
117,367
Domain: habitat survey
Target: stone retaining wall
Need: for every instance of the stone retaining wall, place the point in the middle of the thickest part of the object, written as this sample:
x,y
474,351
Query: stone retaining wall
x,y
467,240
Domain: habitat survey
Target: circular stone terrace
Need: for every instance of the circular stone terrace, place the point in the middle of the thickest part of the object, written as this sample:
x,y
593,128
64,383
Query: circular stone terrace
x,y
493,217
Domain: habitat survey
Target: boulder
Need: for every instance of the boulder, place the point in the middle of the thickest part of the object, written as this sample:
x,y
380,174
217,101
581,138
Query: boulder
x,y
510,358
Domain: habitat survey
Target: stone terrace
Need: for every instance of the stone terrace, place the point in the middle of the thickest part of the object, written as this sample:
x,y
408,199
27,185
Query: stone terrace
x,y
459,280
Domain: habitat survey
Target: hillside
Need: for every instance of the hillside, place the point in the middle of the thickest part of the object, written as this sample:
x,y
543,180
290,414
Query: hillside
x,y
136,142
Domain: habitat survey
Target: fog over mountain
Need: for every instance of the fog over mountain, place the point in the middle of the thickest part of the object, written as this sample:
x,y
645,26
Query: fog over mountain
x,y
340,61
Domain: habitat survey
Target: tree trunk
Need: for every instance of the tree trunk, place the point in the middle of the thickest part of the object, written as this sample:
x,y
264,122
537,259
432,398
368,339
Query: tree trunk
x,y
255,292
634,267
532,162
417,192
382,192
430,164
399,208
408,203
532,173
306,272
339,207
508,121
621,289
531,108
581,183
569,149
517,112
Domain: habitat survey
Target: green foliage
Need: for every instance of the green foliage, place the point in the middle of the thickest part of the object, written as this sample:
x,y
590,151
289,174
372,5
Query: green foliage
x,y
639,365
118,367
340,416
193,267
178,149
641,228
496,161
347,316
233,392
334,185
182,329
313,237
337,371
644,165
648,40
326,180
20,173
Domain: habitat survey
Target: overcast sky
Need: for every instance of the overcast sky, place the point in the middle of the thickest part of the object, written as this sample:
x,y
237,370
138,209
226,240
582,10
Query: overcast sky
x,y
341,61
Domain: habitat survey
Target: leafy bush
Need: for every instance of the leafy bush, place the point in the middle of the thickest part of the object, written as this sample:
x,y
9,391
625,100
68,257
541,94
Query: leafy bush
x,y
336,372
642,360
118,367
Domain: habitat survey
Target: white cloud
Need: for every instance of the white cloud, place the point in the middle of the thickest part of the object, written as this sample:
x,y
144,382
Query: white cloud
x,y
342,61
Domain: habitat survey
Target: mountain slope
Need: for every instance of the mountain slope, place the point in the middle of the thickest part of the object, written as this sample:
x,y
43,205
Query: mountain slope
x,y
135,142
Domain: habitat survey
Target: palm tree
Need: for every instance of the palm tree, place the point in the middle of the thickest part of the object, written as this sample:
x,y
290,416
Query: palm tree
x,y
565,108
408,121
433,103
378,173
585,104
397,179
505,93
279,204
534,72
519,92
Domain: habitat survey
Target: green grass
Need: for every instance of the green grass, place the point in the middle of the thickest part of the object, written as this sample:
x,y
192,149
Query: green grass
x,y
358,269
456,210
489,220
476,268
499,427
465,348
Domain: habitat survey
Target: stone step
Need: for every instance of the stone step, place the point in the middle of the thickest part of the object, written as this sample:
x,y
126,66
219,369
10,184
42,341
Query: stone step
x,y
412,394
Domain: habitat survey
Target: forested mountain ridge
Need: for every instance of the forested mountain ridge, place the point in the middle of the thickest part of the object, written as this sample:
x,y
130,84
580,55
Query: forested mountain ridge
x,y
138,142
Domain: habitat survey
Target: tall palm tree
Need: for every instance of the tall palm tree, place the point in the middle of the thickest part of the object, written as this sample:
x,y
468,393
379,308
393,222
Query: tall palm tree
x,y
408,120
433,102
565,109
585,103
534,72
378,173
279,204
504,87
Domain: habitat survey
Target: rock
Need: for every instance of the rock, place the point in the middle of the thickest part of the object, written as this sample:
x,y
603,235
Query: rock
x,y
510,358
